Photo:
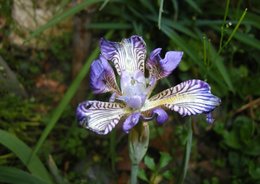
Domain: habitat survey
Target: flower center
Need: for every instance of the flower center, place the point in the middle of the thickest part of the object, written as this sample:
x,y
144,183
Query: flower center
x,y
133,87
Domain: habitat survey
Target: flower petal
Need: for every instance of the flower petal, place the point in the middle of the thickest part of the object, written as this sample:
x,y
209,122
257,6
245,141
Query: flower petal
x,y
131,121
102,77
188,98
100,117
127,55
160,68
162,116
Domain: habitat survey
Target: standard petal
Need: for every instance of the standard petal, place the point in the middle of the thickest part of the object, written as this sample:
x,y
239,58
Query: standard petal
x,y
100,117
188,98
127,55
102,77
160,68
131,121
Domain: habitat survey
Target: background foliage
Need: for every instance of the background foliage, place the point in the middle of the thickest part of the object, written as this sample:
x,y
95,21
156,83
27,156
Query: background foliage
x,y
46,56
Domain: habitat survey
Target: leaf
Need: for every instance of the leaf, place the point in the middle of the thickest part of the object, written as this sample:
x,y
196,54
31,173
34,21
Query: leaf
x,y
55,171
194,5
142,175
149,162
186,157
164,160
17,176
23,152
218,62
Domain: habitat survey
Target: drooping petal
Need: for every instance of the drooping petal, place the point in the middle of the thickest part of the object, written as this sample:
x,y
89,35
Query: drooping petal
x,y
161,115
160,68
100,117
131,121
188,98
127,55
102,77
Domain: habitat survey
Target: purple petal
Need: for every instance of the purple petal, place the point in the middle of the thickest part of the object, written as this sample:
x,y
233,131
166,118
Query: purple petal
x,y
162,116
131,121
102,77
160,68
135,102
127,55
188,98
100,117
209,118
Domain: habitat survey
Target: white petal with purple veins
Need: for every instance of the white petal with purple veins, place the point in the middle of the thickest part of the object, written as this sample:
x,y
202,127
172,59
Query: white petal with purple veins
x,y
100,117
188,98
128,55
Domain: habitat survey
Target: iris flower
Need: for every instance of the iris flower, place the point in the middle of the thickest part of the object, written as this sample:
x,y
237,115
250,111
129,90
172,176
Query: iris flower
x,y
133,102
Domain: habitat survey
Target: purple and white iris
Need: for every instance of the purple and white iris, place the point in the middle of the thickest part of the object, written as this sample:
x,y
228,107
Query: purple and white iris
x,y
132,101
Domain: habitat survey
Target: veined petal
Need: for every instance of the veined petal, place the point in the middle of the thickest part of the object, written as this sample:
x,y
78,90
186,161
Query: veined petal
x,y
102,77
188,98
100,117
160,68
131,121
127,55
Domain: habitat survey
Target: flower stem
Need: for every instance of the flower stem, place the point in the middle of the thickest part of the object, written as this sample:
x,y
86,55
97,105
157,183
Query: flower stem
x,y
134,172
138,144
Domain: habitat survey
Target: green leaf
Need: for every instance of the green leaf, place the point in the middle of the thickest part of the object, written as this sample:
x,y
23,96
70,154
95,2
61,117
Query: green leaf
x,y
66,99
217,60
164,160
108,25
142,175
16,176
23,152
58,18
186,158
194,5
149,162
55,171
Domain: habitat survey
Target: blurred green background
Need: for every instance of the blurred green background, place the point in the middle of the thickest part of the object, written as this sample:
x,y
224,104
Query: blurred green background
x,y
46,49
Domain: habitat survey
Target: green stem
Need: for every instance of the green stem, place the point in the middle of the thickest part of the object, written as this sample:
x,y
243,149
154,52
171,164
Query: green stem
x,y
138,144
134,172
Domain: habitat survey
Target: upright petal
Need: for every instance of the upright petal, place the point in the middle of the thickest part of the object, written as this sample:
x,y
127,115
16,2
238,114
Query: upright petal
x,y
127,55
188,98
102,77
160,68
100,117
131,121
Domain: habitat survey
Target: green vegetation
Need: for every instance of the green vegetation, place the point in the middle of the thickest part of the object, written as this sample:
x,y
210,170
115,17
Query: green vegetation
x,y
40,139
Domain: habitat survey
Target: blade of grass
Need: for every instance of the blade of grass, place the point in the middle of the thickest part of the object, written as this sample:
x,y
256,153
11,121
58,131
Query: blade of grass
x,y
58,18
55,171
103,5
185,162
66,99
223,24
194,5
176,9
160,14
23,152
194,56
111,25
16,176
234,31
